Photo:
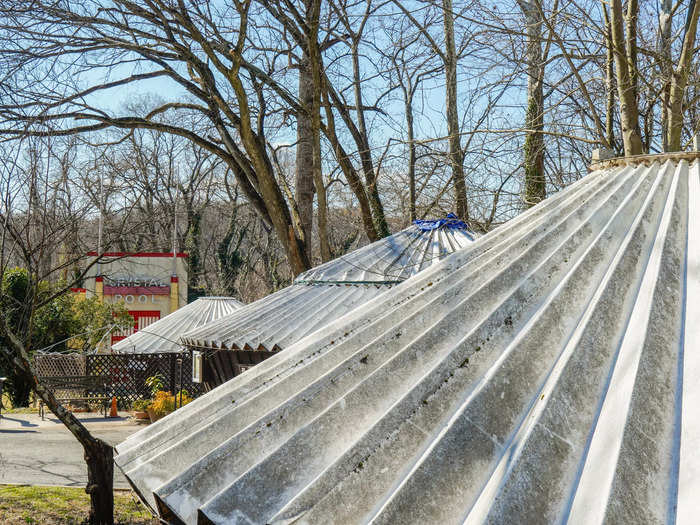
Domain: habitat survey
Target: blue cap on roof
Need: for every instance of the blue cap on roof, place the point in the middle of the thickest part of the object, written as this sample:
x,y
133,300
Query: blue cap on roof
x,y
451,221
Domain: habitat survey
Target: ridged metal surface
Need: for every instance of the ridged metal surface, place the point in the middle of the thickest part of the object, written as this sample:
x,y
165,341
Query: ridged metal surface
x,y
329,291
164,334
548,373
280,319
394,258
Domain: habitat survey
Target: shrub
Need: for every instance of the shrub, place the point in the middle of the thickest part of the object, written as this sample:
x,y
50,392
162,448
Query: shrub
x,y
141,405
164,402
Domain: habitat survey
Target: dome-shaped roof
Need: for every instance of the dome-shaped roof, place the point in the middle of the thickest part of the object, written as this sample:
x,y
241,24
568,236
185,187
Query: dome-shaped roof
x,y
547,373
397,257
164,334
331,290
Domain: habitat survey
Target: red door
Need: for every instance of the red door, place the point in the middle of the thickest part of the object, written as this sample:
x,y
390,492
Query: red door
x,y
142,318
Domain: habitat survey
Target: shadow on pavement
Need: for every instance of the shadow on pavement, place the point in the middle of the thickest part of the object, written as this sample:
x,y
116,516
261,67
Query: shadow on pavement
x,y
51,469
22,422
96,419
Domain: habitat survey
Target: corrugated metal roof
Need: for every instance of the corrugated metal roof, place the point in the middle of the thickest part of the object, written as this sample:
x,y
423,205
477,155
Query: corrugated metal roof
x,y
164,334
392,259
280,319
329,291
547,373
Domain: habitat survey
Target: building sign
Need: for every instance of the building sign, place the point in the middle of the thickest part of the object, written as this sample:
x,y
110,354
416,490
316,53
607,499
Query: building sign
x,y
133,290
136,290
133,282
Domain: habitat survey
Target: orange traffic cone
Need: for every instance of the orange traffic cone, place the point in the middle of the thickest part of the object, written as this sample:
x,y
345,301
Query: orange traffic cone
x,y
113,409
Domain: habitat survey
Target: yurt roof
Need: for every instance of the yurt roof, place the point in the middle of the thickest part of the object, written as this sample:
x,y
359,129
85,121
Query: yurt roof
x,y
331,290
395,258
547,373
164,334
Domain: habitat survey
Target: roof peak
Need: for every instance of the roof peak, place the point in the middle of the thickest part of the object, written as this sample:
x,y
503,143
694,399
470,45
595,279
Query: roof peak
x,y
450,221
636,160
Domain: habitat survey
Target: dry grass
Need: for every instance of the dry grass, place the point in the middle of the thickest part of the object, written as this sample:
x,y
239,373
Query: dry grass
x,y
63,505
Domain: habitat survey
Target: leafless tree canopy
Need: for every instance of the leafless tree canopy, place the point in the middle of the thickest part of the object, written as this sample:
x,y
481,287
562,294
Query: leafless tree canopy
x,y
298,128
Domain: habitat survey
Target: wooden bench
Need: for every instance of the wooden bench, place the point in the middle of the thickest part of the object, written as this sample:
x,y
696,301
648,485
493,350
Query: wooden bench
x,y
81,385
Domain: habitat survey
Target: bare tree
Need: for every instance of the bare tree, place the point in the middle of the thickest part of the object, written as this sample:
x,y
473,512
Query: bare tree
x,y
408,67
679,78
183,43
40,209
447,51
353,88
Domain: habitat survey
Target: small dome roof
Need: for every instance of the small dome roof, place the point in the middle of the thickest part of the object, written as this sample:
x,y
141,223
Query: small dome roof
x,y
164,334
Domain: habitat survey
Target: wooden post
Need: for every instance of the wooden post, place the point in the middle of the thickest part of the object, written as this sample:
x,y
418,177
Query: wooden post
x,y
172,384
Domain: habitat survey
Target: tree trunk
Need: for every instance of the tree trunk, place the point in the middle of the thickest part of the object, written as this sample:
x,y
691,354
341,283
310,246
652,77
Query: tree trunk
x,y
255,146
609,81
280,215
301,30
408,104
98,454
349,170
665,23
631,47
100,464
629,112
313,12
365,152
679,79
304,179
535,183
456,154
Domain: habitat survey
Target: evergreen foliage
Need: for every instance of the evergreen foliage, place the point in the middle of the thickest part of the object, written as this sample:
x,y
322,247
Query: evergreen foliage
x,y
67,322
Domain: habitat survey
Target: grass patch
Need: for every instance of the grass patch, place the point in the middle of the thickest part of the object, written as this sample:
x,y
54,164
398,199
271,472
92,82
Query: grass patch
x,y
7,406
64,505
21,410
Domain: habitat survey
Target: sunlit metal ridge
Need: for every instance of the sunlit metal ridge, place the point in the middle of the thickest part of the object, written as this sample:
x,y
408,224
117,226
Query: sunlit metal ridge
x,y
547,373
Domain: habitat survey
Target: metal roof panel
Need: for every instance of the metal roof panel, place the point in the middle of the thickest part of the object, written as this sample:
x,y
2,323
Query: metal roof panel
x,y
545,373
164,334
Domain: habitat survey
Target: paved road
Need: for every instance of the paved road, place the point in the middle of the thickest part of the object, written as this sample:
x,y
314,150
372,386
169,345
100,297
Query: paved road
x,y
36,452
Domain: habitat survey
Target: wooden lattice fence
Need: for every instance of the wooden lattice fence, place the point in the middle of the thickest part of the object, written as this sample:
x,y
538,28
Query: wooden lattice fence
x,y
125,374
48,365
58,365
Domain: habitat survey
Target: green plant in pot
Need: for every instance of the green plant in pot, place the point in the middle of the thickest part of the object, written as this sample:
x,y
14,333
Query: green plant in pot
x,y
155,384
140,408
